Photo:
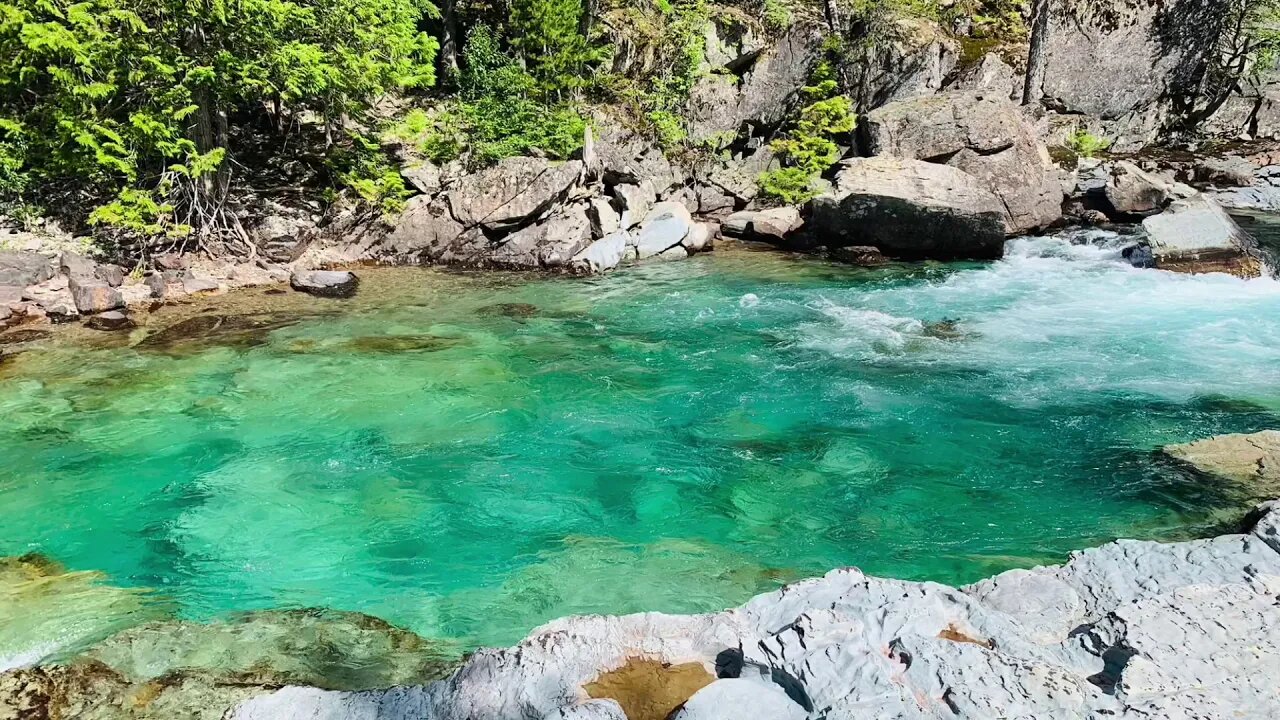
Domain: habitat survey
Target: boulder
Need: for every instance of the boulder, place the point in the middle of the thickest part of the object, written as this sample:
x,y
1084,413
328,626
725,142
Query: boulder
x,y
91,295
512,192
281,237
737,224
325,283
422,175
735,698
1128,630
1250,462
1228,171
75,265
9,295
421,233
603,254
774,225
22,268
1195,235
988,138
110,274
550,243
713,201
910,209
626,157
193,284
157,285
664,227
862,255
605,220
110,321
991,74
633,202
1133,191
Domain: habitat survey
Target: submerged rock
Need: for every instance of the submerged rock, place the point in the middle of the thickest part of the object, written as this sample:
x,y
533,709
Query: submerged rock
x,y
1196,235
650,690
48,613
325,283
1251,462
201,331
1128,630
910,209
323,648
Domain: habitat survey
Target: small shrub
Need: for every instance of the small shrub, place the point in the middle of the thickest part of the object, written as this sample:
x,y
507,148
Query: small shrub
x,y
777,15
809,148
1086,144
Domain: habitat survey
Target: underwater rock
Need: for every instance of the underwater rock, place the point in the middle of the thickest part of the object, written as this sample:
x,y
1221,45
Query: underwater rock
x,y
322,648
48,613
26,335
202,331
400,343
1249,461
513,310
1128,630
325,283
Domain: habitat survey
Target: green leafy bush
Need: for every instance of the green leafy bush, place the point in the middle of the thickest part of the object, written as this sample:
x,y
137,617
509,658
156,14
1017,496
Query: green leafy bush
x,y
1086,144
131,103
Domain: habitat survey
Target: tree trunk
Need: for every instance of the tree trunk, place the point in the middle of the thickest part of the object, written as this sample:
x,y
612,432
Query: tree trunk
x,y
1036,60
833,16
449,42
587,18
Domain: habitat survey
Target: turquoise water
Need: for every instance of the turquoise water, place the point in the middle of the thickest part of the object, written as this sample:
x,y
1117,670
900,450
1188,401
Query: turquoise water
x,y
469,456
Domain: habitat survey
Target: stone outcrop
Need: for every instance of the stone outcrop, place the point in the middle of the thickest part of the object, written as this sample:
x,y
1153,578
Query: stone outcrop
x,y
1195,235
911,57
325,283
1125,63
511,192
910,209
985,136
1249,462
1128,630
19,268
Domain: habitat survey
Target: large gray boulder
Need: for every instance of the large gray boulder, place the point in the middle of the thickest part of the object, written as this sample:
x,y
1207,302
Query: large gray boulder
x,y
512,192
1134,191
1128,630
604,254
22,268
666,225
1195,235
983,135
910,209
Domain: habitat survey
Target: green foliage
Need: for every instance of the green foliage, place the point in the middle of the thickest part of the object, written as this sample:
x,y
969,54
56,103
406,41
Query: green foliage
x,y
129,102
809,148
663,103
547,35
777,15
1086,144
501,112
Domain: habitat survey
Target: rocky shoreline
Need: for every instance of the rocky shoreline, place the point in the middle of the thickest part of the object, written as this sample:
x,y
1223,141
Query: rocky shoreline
x,y
1131,629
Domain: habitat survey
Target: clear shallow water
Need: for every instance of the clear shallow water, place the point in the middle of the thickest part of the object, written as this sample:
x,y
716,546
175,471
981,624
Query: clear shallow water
x,y
674,437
